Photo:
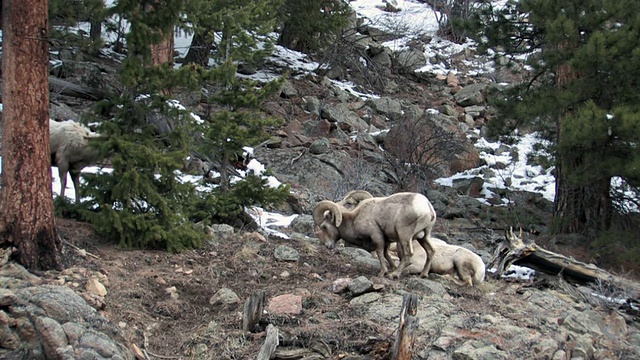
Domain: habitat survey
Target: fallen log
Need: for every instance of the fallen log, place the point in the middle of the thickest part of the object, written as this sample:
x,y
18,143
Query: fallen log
x,y
67,88
513,250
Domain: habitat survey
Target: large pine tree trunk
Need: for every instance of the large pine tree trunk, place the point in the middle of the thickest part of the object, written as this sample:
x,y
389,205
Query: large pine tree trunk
x,y
577,208
26,201
162,52
580,209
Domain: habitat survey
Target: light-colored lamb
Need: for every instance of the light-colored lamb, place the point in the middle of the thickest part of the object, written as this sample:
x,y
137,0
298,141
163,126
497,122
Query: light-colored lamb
x,y
70,151
449,260
376,223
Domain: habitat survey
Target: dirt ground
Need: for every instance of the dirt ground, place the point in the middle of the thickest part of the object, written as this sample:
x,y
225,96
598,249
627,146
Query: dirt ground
x,y
138,301
140,304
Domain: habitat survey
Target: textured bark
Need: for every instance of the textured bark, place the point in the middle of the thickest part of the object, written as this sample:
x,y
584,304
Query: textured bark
x,y
253,308
199,51
409,322
26,201
162,52
578,208
514,250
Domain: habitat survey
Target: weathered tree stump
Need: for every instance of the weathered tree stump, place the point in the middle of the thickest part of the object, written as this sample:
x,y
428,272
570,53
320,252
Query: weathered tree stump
x,y
403,346
253,309
270,343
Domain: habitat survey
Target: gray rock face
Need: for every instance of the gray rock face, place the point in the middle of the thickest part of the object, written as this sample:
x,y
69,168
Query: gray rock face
x,y
55,322
386,106
472,94
360,285
286,253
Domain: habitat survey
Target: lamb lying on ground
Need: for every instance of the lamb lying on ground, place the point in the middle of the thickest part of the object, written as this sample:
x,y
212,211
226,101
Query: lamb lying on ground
x,y
449,260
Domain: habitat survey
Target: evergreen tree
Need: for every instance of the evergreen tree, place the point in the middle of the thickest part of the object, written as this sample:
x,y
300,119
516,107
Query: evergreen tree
x,y
235,123
235,30
310,25
26,200
69,13
583,92
142,202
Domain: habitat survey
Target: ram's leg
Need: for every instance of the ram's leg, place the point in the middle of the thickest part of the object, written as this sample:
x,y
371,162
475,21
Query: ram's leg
x,y
62,173
392,264
464,273
405,252
428,248
378,244
75,178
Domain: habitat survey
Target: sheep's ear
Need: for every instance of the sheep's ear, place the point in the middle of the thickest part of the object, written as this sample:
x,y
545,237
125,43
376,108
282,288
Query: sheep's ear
x,y
328,214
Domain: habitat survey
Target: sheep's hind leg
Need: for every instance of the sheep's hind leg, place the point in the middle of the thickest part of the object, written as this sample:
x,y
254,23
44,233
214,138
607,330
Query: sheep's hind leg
x,y
464,274
404,254
392,264
75,179
62,173
428,248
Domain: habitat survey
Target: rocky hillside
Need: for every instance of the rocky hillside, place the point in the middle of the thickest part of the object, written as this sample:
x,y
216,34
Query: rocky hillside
x,y
117,304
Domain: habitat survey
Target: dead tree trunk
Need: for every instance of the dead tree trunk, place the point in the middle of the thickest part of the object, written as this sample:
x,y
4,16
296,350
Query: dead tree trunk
x,y
403,347
514,251
63,87
26,198
253,308
271,342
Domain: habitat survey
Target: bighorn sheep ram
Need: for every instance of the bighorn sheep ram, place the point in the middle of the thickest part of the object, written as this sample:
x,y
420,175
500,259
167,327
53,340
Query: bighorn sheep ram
x,y
70,151
377,222
449,260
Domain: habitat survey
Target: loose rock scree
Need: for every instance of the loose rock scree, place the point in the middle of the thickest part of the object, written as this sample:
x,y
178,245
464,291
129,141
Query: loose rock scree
x,y
376,223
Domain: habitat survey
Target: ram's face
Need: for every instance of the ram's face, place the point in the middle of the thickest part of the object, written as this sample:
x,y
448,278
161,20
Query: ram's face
x,y
328,234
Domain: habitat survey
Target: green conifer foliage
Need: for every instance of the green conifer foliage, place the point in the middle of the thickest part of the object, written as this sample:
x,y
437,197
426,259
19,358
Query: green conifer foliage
x,y
64,14
234,30
143,202
311,25
236,122
583,92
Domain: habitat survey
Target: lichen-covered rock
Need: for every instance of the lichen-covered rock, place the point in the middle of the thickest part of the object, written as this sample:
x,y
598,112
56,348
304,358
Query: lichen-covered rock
x,y
52,322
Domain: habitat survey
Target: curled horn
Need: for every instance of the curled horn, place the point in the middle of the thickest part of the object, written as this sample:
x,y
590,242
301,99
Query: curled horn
x,y
324,205
358,195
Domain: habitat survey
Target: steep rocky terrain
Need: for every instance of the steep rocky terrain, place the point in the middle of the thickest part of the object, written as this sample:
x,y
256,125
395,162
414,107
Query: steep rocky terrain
x,y
325,304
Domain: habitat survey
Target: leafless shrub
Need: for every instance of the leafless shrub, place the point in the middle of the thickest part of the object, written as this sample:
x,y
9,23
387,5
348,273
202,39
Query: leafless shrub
x,y
447,12
358,175
419,150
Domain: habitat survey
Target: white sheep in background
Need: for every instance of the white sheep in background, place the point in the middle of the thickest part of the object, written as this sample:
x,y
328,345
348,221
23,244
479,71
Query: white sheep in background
x,y
449,260
377,222
70,151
